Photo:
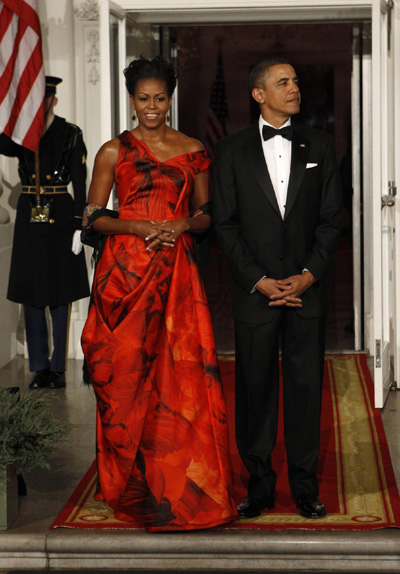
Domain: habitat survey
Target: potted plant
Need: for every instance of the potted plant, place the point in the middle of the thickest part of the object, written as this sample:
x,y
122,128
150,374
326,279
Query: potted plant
x,y
28,435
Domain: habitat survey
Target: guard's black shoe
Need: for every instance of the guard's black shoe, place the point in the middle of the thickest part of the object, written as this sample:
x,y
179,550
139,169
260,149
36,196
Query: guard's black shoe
x,y
310,506
57,380
40,380
252,507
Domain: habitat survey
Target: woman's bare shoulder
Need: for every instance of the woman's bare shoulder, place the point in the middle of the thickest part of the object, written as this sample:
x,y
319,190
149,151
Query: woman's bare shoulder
x,y
188,144
111,147
109,151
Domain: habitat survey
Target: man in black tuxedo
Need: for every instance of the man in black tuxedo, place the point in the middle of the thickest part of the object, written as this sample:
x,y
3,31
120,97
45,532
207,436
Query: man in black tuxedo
x,y
277,215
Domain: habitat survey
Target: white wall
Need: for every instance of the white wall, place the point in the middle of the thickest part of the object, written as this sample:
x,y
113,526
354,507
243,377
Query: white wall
x,y
58,48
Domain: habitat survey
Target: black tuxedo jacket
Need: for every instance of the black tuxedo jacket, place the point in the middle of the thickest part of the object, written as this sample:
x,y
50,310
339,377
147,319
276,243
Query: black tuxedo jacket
x,y
254,237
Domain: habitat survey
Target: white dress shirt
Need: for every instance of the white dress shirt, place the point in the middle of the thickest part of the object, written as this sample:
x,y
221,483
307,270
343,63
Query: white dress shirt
x,y
278,155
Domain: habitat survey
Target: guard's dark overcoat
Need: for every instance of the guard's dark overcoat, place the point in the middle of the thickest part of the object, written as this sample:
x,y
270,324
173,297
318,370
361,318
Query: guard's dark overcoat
x,y
44,271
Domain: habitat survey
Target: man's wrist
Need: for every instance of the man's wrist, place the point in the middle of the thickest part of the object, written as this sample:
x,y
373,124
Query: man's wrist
x,y
255,286
308,273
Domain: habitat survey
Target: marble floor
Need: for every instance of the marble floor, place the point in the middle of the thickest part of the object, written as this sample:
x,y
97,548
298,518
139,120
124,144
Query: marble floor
x,y
29,546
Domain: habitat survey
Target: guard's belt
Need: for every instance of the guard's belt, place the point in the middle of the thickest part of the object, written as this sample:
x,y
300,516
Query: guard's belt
x,y
45,189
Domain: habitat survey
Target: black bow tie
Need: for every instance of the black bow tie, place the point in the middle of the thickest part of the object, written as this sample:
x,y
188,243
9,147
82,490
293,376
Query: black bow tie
x,y
269,132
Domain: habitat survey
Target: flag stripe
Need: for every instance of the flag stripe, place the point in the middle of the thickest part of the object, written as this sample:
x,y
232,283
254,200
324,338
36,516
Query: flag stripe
x,y
8,38
217,130
23,76
35,128
29,110
22,81
26,10
218,110
5,18
11,44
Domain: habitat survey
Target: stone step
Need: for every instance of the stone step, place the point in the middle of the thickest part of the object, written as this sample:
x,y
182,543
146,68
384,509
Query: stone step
x,y
247,551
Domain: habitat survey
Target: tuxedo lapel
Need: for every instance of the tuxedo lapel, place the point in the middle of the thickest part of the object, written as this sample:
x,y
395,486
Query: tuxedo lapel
x,y
300,152
255,159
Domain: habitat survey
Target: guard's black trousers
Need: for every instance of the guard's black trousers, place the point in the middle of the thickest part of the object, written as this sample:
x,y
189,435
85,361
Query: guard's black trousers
x,y
37,337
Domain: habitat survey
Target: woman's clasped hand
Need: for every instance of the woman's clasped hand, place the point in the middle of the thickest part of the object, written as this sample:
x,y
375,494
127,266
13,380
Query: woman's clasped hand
x,y
160,234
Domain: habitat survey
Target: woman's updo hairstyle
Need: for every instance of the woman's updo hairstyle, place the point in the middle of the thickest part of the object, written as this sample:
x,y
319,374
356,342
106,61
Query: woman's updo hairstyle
x,y
142,69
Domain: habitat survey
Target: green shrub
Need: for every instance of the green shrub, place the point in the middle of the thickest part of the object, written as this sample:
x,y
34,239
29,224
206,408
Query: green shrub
x,y
28,430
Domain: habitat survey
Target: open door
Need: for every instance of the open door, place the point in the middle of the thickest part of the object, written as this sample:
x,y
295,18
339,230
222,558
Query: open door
x,y
122,38
384,200
151,40
112,63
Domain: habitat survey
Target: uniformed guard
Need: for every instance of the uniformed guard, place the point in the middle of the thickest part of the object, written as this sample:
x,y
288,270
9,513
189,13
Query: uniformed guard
x,y
48,266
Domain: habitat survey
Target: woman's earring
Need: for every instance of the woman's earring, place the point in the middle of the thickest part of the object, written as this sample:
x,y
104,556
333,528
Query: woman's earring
x,y
134,116
167,117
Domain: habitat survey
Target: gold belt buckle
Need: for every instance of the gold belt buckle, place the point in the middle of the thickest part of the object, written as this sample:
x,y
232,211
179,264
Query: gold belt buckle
x,y
41,213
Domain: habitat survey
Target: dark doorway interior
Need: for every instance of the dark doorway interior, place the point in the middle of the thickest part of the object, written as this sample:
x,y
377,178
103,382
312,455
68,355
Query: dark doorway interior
x,y
322,57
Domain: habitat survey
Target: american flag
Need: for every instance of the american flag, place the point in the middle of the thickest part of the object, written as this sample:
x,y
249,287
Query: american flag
x,y
218,110
22,80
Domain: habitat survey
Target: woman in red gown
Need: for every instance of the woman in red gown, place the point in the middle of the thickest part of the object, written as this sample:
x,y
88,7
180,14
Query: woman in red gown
x,y
162,438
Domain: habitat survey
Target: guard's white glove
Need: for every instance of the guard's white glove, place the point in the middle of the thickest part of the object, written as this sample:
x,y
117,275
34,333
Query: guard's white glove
x,y
77,243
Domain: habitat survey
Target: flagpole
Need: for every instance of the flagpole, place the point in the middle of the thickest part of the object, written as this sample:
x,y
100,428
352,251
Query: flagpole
x,y
37,177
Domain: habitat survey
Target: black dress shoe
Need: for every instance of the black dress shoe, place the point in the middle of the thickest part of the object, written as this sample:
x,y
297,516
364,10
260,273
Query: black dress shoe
x,y
57,380
252,507
40,380
310,506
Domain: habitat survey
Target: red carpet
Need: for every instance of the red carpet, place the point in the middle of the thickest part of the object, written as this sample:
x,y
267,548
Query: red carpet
x,y
357,482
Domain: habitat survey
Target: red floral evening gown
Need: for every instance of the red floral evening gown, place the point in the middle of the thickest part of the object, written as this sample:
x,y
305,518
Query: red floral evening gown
x,y
162,437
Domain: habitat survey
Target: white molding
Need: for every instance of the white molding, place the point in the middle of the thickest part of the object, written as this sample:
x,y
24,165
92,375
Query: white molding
x,y
190,5
235,11
105,75
87,98
86,10
116,9
261,16
92,48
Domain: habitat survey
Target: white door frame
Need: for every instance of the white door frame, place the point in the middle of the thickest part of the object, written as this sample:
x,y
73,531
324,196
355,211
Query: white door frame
x,y
384,216
396,151
239,11
356,124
